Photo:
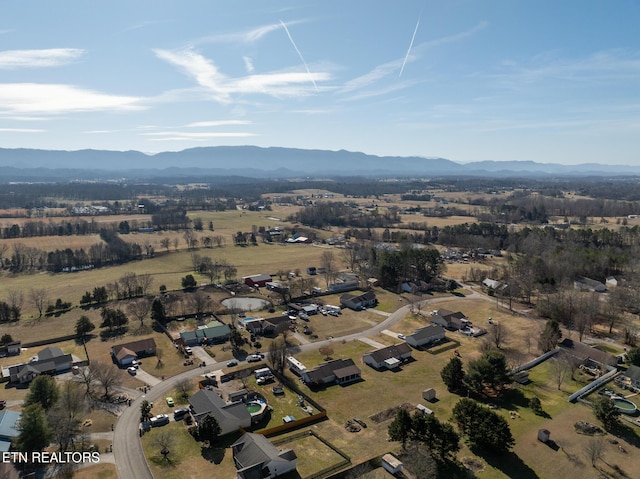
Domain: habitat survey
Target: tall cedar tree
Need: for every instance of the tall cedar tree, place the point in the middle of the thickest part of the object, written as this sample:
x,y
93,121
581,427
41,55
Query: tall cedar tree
x,y
453,375
400,428
550,337
606,412
44,391
34,432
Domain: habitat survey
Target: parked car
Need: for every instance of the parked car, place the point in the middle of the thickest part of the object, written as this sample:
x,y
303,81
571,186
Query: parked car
x,y
253,358
401,336
132,370
180,413
160,420
264,380
170,402
232,363
188,350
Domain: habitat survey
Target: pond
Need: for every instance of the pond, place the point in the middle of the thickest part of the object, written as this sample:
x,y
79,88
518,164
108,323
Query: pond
x,y
245,304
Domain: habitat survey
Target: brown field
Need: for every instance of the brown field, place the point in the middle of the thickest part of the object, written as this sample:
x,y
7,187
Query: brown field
x,y
97,471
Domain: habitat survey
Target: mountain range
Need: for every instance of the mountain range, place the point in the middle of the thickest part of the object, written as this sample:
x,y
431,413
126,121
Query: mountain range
x,y
253,161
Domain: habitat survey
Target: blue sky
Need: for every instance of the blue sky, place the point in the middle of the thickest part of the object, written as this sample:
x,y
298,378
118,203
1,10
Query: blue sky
x,y
467,80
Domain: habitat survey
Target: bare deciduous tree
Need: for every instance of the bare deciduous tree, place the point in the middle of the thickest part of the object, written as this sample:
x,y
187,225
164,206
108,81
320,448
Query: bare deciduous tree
x,y
108,375
328,262
164,441
560,368
200,302
39,299
594,448
278,355
326,351
140,309
184,387
498,334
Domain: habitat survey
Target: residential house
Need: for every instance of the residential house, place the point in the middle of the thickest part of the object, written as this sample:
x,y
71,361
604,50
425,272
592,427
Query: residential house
x,y
492,284
359,302
588,284
210,334
256,458
124,354
8,428
257,280
267,327
449,320
633,375
425,335
230,416
340,371
390,357
50,361
585,354
415,287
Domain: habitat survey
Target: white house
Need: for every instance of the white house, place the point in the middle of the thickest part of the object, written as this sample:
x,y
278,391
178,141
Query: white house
x,y
256,458
390,357
425,335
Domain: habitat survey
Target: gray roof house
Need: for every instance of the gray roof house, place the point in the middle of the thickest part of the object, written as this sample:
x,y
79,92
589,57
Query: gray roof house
x,y
340,371
359,302
50,360
124,354
585,353
256,458
230,416
449,320
588,284
425,335
389,357
8,431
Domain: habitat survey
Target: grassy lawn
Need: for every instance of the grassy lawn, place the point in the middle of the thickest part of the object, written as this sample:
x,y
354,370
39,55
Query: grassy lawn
x,y
187,458
98,471
313,454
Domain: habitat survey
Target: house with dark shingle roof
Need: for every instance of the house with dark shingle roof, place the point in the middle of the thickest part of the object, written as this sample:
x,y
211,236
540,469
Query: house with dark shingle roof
x,y
390,357
584,353
230,416
449,320
50,360
426,335
256,458
340,371
359,302
124,354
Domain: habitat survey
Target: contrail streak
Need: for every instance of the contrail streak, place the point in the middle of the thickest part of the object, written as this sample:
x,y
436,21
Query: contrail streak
x,y
410,47
299,54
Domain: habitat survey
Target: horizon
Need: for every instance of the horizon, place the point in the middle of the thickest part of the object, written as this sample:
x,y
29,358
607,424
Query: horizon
x,y
546,82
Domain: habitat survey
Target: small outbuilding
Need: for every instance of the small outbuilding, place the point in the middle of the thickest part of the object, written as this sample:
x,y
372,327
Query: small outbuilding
x,y
429,394
391,463
544,435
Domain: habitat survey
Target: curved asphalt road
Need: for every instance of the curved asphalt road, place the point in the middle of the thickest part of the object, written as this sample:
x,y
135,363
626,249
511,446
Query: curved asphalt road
x,y
127,449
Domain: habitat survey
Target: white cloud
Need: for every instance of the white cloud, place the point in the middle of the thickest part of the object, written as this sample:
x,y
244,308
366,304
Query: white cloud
x,y
247,36
221,87
22,130
201,124
248,64
25,98
51,57
200,68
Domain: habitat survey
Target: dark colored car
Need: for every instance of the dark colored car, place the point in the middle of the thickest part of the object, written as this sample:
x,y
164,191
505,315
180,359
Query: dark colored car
x,y
179,414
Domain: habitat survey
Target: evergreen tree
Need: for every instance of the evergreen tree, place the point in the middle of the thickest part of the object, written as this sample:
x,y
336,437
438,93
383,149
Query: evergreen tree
x,y
158,312
43,391
34,433
606,412
400,428
84,326
453,374
209,430
633,356
550,337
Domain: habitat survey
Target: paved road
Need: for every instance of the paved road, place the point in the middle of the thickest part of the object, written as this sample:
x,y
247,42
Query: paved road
x,y
127,449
